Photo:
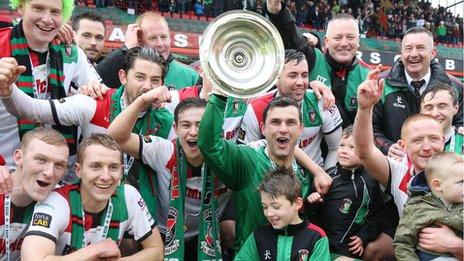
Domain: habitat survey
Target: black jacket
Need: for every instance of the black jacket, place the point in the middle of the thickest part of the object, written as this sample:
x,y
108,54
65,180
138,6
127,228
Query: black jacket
x,y
399,102
352,207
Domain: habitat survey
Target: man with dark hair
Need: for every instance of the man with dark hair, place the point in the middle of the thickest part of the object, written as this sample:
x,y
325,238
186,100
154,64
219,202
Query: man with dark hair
x,y
338,68
90,34
41,161
142,71
440,101
94,214
318,122
190,198
46,70
404,83
242,168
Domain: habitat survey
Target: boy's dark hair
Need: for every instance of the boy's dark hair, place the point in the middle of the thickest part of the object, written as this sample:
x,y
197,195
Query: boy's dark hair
x,y
440,86
292,55
92,16
281,182
347,132
144,53
281,102
187,104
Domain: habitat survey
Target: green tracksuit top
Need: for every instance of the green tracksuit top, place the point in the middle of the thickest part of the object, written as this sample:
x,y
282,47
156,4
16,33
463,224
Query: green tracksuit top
x,y
239,167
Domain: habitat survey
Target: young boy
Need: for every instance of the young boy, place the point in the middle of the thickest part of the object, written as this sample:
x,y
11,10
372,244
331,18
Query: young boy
x,y
443,205
350,211
288,236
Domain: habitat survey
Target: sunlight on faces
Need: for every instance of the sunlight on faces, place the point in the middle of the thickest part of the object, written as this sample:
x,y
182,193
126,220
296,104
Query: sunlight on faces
x,y
90,37
421,139
342,40
346,155
100,171
141,78
440,107
417,51
42,166
282,130
280,211
41,21
186,128
293,82
155,34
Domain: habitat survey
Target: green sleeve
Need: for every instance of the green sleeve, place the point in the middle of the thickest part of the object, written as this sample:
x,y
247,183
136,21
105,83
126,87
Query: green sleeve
x,y
405,240
321,250
248,251
229,161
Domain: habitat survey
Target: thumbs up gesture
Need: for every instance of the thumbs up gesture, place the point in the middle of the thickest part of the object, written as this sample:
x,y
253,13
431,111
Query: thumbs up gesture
x,y
9,73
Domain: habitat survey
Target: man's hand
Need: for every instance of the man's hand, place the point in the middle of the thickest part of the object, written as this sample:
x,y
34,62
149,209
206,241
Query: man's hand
x,y
107,249
6,185
132,36
315,198
157,97
9,73
66,35
94,89
273,6
312,39
323,91
322,182
370,91
396,152
356,246
440,239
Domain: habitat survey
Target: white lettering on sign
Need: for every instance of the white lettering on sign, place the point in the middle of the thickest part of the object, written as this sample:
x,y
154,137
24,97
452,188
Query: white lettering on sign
x,y
375,58
180,40
117,35
449,65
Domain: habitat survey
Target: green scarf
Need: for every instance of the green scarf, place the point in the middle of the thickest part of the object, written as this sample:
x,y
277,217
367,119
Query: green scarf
x,y
208,235
154,122
25,82
75,202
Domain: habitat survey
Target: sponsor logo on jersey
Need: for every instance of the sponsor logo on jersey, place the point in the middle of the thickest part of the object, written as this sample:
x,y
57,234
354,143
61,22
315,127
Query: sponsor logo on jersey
x,y
399,103
41,220
241,134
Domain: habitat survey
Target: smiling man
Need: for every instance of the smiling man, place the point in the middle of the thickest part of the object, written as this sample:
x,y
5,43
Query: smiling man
x,y
142,71
440,101
94,213
90,35
47,70
404,83
337,68
41,162
150,30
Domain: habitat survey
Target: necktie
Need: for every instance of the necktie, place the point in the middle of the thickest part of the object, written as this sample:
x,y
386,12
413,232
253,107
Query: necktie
x,y
416,85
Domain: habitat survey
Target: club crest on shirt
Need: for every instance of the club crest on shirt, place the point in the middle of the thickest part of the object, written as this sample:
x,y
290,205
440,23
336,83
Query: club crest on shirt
x,y
303,255
346,204
241,134
312,116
